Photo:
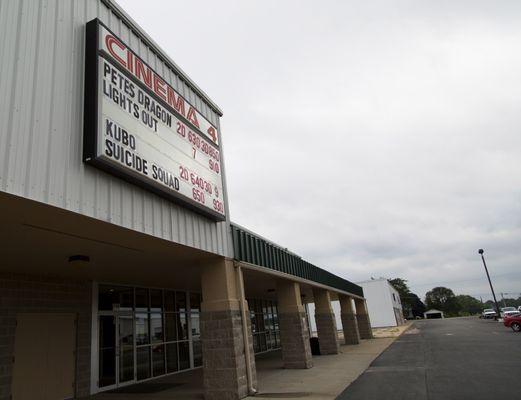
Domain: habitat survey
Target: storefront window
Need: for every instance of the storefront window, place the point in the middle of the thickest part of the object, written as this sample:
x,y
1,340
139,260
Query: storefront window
x,y
142,300
156,300
169,301
171,327
182,326
142,335
115,298
184,355
143,362
107,351
158,360
195,325
172,364
180,299
155,328
264,325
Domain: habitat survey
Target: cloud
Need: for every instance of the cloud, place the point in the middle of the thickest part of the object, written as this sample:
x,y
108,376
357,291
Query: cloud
x,y
374,139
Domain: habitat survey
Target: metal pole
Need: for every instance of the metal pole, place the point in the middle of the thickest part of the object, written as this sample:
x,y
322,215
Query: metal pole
x,y
490,283
245,332
503,298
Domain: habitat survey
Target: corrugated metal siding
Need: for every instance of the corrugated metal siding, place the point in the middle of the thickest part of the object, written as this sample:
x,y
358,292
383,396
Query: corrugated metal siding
x,y
41,123
255,250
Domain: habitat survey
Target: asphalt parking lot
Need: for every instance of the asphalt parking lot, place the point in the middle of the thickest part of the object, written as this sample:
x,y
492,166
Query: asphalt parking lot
x,y
458,358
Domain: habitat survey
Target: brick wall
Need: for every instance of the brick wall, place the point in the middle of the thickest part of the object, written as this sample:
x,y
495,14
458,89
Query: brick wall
x,y
224,361
24,294
327,333
364,327
294,336
350,327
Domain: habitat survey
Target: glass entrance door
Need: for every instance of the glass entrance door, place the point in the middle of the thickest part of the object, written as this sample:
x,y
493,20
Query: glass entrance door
x,y
116,350
107,351
145,333
125,351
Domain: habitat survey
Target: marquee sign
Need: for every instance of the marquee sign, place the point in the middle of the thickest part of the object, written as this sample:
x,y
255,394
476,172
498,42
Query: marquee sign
x,y
140,128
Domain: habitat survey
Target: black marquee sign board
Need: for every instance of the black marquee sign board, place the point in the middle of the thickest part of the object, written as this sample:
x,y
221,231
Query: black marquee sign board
x,y
139,128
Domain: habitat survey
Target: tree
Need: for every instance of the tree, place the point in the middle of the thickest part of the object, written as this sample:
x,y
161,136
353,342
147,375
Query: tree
x,y
403,290
503,302
411,303
401,286
443,299
469,305
417,306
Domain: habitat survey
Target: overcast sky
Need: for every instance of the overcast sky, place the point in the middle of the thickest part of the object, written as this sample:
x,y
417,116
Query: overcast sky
x,y
375,138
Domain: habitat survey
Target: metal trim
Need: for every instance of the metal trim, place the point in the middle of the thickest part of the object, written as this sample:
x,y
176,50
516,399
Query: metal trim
x,y
285,262
285,275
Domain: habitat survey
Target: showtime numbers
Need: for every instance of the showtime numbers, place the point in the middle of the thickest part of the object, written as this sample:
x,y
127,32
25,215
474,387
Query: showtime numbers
x,y
198,195
197,141
181,129
194,139
200,188
201,183
214,166
218,206
183,173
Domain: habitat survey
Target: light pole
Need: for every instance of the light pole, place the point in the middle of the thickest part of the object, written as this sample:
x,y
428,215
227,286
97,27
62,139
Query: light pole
x,y
480,251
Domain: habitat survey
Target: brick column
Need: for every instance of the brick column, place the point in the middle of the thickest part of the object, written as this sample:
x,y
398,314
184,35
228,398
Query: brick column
x,y
326,324
224,361
349,324
362,317
294,333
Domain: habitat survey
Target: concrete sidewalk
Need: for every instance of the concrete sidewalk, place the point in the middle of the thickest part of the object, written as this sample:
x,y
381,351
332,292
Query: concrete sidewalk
x,y
329,376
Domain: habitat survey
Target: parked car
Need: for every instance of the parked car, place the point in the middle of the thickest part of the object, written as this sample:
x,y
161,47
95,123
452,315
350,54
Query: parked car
x,y
505,311
513,321
519,308
488,313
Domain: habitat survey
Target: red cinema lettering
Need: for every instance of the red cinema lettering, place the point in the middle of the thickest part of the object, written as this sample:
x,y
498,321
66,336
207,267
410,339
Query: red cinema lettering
x,y
178,104
192,117
129,60
111,40
130,63
159,87
213,134
143,73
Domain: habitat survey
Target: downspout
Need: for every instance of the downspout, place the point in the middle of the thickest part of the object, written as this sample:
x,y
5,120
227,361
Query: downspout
x,y
245,333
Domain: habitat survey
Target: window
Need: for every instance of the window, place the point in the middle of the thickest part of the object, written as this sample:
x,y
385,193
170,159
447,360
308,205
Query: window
x,y
165,324
195,326
264,325
115,298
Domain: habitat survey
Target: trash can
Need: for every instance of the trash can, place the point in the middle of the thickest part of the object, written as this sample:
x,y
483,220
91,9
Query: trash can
x,y
315,346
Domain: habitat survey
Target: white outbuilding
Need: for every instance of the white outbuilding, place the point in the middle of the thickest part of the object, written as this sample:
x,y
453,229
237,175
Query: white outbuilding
x,y
383,303
433,314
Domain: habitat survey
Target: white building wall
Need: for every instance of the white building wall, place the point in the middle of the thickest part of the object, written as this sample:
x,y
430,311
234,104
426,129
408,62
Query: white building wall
x,y
396,298
42,61
380,302
336,310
